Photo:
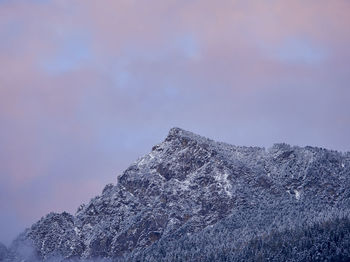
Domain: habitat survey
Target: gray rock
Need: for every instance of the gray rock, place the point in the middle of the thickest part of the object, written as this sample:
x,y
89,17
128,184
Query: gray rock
x,y
3,252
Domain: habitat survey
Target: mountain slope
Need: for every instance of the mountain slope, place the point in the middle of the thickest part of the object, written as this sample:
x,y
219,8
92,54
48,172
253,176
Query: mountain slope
x,y
193,190
3,252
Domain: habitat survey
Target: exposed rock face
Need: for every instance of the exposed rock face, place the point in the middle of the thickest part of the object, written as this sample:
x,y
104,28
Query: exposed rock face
x,y
3,252
188,184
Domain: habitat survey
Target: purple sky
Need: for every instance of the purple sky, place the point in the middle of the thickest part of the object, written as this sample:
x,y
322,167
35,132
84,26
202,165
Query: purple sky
x,y
86,87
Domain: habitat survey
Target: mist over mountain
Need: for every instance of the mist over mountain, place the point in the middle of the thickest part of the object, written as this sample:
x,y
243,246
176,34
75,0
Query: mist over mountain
x,y
194,199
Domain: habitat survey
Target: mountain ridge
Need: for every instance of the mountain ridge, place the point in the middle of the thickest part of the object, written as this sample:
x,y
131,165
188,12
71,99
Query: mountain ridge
x,y
187,185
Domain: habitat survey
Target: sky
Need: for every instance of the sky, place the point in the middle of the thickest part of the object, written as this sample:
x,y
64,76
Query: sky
x,y
87,87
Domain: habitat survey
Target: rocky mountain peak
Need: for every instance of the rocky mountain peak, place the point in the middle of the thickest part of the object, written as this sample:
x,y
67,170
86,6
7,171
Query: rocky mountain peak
x,y
177,132
186,185
181,134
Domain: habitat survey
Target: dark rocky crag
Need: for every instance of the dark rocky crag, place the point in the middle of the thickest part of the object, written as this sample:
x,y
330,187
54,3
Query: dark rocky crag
x,y
3,252
194,199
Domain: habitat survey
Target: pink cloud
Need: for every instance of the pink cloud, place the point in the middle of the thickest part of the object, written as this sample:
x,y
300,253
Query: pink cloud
x,y
86,87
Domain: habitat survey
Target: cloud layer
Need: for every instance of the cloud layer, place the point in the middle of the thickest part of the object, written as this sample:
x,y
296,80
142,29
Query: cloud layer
x,y
86,87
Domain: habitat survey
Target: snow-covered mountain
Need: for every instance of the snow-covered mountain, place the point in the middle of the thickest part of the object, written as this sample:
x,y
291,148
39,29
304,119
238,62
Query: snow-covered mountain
x,y
194,199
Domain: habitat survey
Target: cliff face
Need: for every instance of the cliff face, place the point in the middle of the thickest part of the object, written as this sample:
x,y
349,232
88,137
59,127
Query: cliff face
x,y
189,186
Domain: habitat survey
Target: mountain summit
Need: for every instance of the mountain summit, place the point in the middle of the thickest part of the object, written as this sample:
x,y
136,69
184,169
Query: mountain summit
x,y
194,199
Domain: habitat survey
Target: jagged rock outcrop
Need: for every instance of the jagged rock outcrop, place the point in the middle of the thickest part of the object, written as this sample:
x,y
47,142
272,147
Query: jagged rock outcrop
x,y
189,186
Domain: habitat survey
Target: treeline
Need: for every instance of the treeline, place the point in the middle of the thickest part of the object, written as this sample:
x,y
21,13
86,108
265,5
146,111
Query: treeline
x,y
325,240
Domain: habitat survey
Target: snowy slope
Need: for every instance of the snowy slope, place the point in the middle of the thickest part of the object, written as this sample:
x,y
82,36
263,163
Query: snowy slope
x,y
185,188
